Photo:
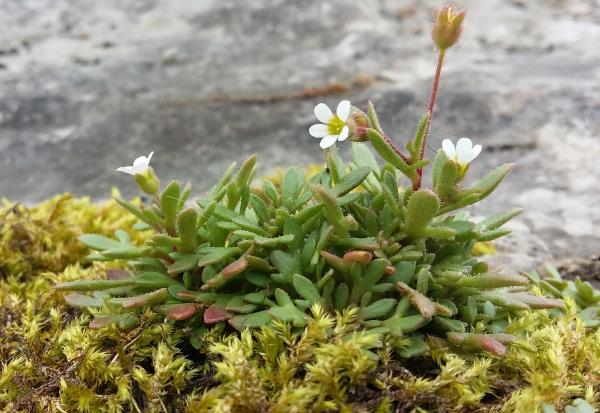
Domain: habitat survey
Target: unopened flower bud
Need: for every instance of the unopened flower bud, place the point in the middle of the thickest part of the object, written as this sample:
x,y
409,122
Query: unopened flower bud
x,y
148,181
358,123
447,26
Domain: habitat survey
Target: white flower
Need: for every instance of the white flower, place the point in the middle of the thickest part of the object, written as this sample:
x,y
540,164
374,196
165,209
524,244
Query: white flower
x,y
333,127
463,153
140,165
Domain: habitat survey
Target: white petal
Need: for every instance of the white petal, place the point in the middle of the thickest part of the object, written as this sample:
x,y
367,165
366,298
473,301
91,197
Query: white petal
x,y
448,147
344,133
343,110
327,141
474,153
318,130
323,113
150,156
126,169
141,160
463,149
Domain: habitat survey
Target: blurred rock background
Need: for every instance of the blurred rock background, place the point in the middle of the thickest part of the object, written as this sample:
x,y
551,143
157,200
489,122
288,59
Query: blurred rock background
x,y
86,86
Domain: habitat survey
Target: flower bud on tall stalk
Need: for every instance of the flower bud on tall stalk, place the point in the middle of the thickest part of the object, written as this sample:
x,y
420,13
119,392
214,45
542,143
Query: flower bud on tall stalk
x,y
447,27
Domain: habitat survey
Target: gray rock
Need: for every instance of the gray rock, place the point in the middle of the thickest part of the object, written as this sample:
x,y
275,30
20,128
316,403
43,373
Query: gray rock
x,y
87,86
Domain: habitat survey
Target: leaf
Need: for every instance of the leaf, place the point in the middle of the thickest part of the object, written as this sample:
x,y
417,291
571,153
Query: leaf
x,y
387,152
179,312
186,263
246,172
491,281
170,203
377,309
126,252
416,346
254,320
217,255
154,280
306,289
94,285
422,206
363,157
291,184
438,162
82,301
351,180
447,179
145,299
99,242
333,212
488,183
259,207
426,307
497,220
186,228
230,271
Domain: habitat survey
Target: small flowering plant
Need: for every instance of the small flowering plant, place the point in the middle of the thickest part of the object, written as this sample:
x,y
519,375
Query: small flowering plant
x,y
366,234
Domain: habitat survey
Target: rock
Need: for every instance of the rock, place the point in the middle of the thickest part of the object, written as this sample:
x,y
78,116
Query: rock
x,y
88,86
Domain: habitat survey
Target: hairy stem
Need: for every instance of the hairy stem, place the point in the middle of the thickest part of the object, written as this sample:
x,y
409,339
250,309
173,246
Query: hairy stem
x,y
430,106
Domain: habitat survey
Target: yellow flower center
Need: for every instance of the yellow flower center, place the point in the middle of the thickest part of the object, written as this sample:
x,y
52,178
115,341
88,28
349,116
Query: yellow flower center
x,y
335,125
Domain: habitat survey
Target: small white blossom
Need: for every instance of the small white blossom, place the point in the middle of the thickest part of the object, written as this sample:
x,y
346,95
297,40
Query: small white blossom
x,y
333,127
139,166
463,153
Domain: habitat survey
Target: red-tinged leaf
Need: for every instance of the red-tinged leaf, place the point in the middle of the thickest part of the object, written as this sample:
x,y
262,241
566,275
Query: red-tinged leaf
x,y
184,311
215,314
490,344
389,270
536,301
101,321
235,268
361,257
145,299
504,338
117,274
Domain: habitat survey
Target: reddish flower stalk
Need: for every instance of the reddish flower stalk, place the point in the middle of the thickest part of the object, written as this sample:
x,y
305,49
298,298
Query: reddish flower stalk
x,y
430,106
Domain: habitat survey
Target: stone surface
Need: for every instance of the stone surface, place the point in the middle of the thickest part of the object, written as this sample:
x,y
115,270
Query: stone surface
x,y
86,86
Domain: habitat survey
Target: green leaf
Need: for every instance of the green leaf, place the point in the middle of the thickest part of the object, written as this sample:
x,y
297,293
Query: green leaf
x,y
218,254
387,152
259,207
254,320
154,280
422,207
126,252
185,263
351,180
363,157
99,242
418,141
378,309
488,183
306,289
246,172
81,300
292,182
94,285
491,281
170,203
333,211
497,220
186,228
447,179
